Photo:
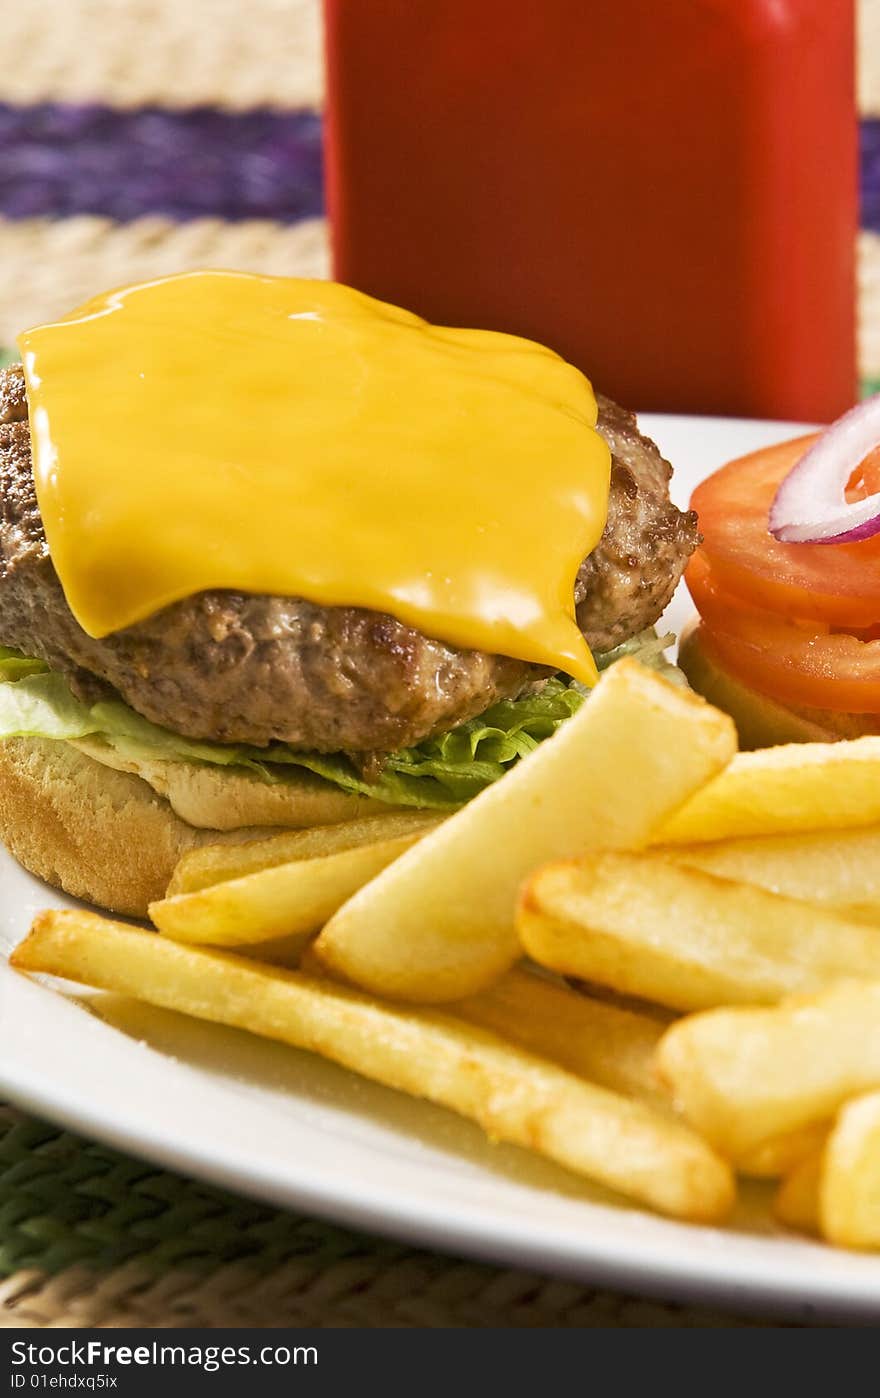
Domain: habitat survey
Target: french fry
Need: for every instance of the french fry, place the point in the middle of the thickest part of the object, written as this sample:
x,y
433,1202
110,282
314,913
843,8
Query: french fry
x,y
685,938
837,868
287,900
849,1193
784,1154
210,864
777,791
277,951
514,1096
438,924
607,1045
743,1077
308,963
796,1204
635,1003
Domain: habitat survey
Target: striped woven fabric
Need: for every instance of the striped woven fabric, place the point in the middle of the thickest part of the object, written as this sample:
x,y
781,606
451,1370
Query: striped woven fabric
x,y
142,138
58,160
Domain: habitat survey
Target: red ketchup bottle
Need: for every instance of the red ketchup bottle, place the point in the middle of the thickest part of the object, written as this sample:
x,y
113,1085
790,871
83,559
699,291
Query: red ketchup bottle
x,y
664,191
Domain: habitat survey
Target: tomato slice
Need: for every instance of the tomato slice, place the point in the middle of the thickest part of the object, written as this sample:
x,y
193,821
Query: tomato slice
x,y
866,479
800,663
837,583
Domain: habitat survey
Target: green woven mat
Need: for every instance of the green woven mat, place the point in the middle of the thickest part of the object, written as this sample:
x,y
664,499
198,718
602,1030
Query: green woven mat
x,y
64,1200
94,1238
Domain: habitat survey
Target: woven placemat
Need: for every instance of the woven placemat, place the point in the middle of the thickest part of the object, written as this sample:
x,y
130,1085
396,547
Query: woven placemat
x,y
90,1237
50,265
231,53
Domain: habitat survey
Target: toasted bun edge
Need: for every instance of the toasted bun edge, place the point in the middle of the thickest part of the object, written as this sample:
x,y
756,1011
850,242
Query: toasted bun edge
x,y
99,834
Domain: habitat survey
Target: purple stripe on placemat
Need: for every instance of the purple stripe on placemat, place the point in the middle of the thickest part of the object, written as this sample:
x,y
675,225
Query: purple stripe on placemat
x,y
57,160
870,174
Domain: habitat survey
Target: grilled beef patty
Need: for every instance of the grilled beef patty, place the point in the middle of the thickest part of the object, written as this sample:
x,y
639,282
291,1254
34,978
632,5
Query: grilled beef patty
x,y
235,667
629,578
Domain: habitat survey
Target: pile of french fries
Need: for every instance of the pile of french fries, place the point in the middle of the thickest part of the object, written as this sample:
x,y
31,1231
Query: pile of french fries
x,y
642,954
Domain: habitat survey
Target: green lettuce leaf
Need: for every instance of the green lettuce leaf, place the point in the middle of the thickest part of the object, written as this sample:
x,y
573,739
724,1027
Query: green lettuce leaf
x,y
14,665
648,648
440,772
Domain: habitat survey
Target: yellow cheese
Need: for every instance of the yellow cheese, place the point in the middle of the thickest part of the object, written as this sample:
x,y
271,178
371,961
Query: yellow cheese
x,y
269,434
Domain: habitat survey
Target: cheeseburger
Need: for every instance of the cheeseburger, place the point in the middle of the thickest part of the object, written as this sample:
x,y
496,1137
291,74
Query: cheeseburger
x,y
275,554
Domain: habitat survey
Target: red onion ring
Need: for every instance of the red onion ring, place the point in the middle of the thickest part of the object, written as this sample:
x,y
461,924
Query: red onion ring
x,y
810,506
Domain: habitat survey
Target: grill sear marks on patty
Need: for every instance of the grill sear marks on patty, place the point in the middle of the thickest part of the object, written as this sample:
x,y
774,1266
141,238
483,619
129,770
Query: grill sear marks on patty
x,y
629,578
244,668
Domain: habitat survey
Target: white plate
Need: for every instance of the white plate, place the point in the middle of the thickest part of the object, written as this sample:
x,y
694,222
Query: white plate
x,y
285,1127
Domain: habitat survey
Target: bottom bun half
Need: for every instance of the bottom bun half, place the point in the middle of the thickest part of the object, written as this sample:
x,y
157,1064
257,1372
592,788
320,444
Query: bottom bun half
x,y
109,837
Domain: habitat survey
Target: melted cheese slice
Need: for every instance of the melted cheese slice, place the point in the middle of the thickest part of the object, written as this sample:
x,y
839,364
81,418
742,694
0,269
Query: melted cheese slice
x,y
266,434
